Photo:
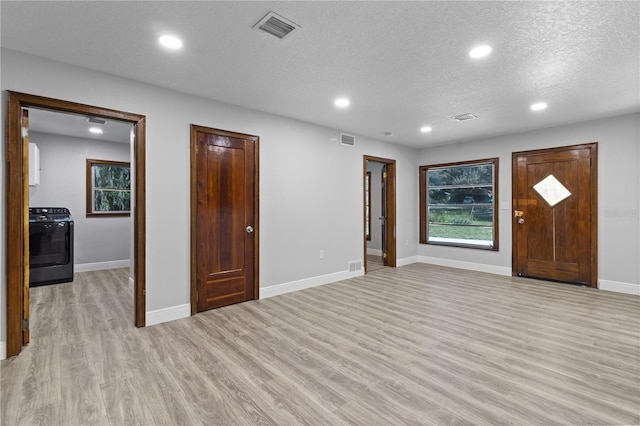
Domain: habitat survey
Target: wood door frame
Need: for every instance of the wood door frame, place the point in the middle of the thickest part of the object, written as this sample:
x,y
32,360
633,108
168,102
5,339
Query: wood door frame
x,y
256,208
390,229
593,147
17,199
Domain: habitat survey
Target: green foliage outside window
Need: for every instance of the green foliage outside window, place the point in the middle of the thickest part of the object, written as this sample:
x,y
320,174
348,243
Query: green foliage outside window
x,y
460,204
108,187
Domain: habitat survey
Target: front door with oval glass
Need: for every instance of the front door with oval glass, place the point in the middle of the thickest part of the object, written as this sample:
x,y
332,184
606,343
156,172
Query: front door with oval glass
x,y
555,214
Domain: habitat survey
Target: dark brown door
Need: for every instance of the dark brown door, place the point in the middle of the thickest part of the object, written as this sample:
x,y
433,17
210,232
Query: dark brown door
x,y
225,220
555,214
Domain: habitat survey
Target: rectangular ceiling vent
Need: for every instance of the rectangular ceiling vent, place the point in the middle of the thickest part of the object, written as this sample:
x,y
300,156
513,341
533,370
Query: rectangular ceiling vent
x,y
464,117
347,140
276,25
96,120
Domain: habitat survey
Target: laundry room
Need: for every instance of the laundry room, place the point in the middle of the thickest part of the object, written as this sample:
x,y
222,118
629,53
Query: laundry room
x,y
79,195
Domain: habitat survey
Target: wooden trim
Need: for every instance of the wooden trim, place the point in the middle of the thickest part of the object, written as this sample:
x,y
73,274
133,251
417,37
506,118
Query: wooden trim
x,y
422,199
89,186
390,229
367,205
193,155
593,148
15,219
193,194
423,225
256,219
140,221
17,198
594,214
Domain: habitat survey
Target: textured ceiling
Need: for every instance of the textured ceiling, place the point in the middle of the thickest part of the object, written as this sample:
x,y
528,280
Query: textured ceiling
x,y
403,64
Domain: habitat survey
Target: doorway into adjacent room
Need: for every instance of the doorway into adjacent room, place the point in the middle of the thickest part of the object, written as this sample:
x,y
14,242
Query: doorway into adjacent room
x,y
17,212
379,213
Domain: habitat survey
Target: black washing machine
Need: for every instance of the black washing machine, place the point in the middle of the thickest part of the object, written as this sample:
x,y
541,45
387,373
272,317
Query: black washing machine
x,y
50,246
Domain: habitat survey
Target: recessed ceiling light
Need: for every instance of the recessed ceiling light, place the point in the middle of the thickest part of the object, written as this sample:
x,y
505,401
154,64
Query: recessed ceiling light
x,y
539,106
480,51
170,42
426,129
96,130
341,102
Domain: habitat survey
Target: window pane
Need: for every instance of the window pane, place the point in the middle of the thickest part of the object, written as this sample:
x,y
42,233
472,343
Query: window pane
x,y
468,224
108,188
460,204
461,175
112,201
112,177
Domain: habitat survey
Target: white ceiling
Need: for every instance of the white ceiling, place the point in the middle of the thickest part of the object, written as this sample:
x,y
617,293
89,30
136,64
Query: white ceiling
x,y
403,64
78,126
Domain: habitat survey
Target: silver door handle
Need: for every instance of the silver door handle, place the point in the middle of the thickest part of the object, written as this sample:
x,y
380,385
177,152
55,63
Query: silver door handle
x,y
249,229
521,220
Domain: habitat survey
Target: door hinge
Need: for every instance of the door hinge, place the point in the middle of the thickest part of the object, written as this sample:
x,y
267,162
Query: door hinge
x,y
384,175
384,255
25,324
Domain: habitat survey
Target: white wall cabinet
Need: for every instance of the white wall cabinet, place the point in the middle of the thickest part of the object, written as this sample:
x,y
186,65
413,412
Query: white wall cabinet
x,y
34,164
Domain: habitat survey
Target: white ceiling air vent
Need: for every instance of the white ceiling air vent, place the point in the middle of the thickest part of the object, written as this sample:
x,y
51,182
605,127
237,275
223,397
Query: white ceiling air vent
x,y
276,25
347,140
464,117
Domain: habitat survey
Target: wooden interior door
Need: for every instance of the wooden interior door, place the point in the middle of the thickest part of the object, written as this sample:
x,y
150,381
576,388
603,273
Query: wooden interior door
x,y
224,235
555,214
25,244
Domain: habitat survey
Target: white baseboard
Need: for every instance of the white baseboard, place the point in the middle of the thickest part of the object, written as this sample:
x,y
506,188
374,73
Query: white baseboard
x,y
99,266
3,351
606,285
278,289
406,261
619,287
492,269
131,284
168,314
374,252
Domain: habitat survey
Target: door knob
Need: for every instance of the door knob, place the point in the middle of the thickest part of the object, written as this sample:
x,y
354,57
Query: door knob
x,y
249,229
521,220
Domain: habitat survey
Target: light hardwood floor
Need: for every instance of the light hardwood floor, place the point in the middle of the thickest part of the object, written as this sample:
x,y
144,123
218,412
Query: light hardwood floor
x,y
414,345
374,263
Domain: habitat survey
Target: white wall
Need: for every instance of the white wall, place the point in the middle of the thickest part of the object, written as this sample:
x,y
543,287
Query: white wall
x,y
618,189
305,206
374,246
63,184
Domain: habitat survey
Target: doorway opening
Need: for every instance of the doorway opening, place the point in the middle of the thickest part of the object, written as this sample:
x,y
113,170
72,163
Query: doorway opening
x,y
17,207
379,189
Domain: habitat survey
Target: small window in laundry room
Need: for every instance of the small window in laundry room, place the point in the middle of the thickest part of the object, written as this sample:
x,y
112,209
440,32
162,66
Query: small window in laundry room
x,y
108,188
